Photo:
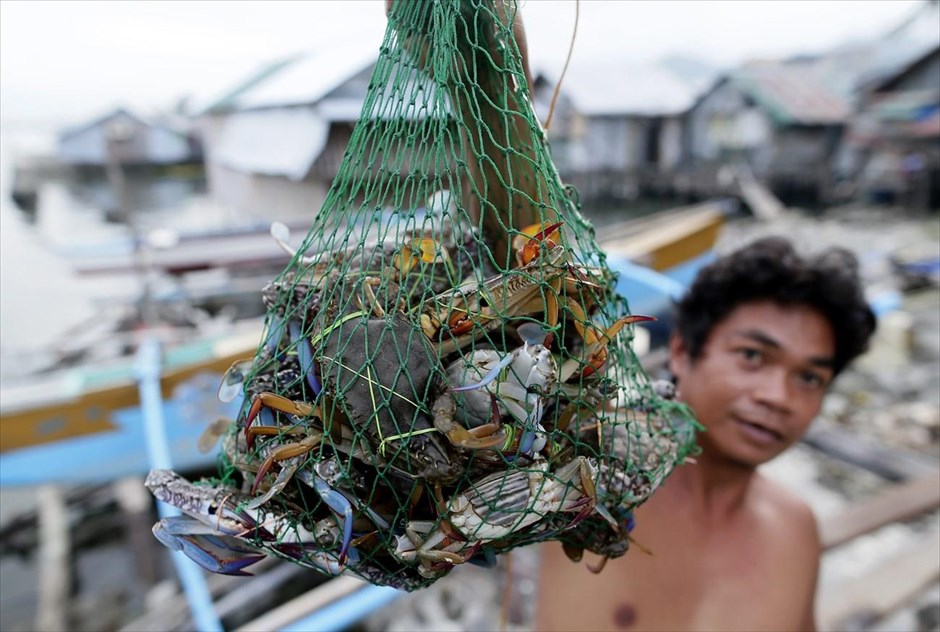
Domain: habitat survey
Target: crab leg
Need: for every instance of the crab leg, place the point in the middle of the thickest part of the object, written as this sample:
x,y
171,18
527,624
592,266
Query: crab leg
x,y
378,520
269,400
275,333
595,340
233,379
304,356
290,451
490,376
443,412
533,236
340,506
590,491
281,234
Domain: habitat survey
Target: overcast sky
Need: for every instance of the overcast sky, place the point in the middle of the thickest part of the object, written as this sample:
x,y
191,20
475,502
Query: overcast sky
x,y
66,61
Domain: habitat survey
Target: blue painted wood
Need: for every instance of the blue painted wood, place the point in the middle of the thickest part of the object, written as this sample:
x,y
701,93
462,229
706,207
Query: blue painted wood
x,y
159,456
341,614
108,456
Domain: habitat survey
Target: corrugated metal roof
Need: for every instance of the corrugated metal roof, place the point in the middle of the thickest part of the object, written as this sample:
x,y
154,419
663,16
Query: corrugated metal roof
x,y
308,78
277,142
117,113
606,87
792,94
216,101
336,81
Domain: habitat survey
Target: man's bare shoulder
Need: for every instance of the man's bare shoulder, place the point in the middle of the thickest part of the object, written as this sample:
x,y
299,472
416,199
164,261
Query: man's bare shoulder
x,y
783,512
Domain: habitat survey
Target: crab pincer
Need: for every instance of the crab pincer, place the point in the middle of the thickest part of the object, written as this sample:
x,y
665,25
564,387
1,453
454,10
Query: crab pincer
x,y
215,552
595,340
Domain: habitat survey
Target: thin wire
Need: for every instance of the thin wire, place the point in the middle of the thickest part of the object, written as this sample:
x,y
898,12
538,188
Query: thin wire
x,y
574,33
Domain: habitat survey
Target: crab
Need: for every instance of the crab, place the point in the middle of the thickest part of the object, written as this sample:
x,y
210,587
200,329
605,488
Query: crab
x,y
219,533
494,508
513,384
222,535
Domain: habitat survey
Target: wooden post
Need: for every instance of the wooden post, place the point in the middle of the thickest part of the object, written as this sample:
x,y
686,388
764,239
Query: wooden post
x,y
55,577
134,502
509,187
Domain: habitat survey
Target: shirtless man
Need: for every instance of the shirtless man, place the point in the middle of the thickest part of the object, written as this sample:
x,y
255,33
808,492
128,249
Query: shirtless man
x,y
759,338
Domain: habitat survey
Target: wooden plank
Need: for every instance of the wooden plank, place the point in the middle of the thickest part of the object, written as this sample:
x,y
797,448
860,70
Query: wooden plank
x,y
173,613
303,605
250,592
759,198
897,502
55,580
894,464
865,599
135,503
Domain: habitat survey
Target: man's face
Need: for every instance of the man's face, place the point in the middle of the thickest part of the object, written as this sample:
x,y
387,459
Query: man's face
x,y
759,381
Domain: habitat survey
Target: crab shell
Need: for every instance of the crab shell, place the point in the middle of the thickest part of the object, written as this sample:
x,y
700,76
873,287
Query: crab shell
x,y
376,371
501,504
518,389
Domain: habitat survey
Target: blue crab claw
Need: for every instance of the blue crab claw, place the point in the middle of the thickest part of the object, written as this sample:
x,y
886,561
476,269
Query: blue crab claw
x,y
233,380
304,356
533,333
631,522
526,442
489,377
485,558
211,550
341,506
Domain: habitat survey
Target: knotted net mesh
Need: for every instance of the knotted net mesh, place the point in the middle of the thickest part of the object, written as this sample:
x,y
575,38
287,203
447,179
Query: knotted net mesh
x,y
446,371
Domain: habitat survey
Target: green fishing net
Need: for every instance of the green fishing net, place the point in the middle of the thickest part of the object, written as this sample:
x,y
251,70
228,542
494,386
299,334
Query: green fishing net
x,y
446,371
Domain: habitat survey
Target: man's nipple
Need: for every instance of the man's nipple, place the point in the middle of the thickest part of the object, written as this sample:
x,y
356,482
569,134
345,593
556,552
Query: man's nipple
x,y
624,616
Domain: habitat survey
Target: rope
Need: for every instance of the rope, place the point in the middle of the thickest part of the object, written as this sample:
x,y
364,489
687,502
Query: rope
x,y
574,33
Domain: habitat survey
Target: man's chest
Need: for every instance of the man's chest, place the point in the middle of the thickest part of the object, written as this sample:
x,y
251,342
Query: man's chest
x,y
701,579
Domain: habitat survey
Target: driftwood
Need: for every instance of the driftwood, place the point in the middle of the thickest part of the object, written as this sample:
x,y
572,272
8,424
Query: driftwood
x,y
758,197
311,601
863,600
894,504
136,507
893,464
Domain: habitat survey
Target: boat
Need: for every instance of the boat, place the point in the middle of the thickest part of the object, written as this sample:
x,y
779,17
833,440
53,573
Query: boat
x,y
86,424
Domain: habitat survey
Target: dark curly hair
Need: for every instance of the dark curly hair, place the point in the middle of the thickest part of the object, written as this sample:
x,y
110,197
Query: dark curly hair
x,y
770,269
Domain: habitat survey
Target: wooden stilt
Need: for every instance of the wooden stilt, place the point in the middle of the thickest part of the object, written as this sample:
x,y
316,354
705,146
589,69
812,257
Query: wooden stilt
x,y
55,578
134,501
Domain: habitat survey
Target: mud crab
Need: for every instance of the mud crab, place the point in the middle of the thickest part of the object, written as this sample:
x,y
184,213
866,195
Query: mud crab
x,y
494,508
513,384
